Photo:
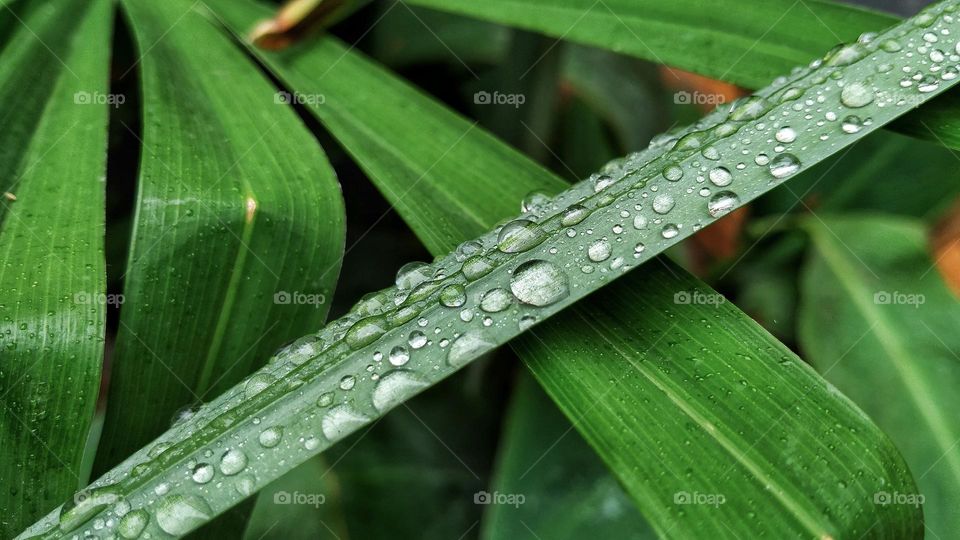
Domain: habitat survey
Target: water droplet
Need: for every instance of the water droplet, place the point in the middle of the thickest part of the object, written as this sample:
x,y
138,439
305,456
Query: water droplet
x,y
202,473
467,347
325,399
890,45
786,134
749,108
520,235
417,339
928,83
761,159
851,124
856,95
784,165
722,203
720,176
574,215
495,300
535,202
133,523
539,283
232,462
639,222
453,296
526,322
348,382
638,249
257,383
179,514
602,182
399,355
599,250
672,172
669,231
844,55
663,203
395,387
340,421
271,436
412,274
476,267
366,331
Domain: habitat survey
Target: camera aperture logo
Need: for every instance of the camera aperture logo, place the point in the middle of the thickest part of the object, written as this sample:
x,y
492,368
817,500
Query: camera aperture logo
x,y
99,98
496,98
698,298
297,298
296,497
509,499
707,499
885,498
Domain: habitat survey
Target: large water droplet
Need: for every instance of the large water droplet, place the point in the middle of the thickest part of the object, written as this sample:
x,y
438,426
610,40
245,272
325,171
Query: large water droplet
x,y
133,523
851,124
844,55
784,165
412,274
927,84
270,437
476,267
720,176
749,108
599,250
232,461
495,300
399,356
669,231
535,202
539,283
520,235
574,214
663,203
366,331
453,296
340,421
856,95
179,514
722,203
786,135
202,473
672,172
417,339
348,382
467,347
257,383
395,387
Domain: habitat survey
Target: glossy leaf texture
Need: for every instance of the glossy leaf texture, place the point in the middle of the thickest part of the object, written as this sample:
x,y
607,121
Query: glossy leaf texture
x,y
565,372
746,43
239,227
52,273
320,390
878,321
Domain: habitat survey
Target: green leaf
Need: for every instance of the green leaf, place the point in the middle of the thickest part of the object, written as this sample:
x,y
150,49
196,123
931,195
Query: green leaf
x,y
549,483
746,43
319,390
239,227
878,321
54,67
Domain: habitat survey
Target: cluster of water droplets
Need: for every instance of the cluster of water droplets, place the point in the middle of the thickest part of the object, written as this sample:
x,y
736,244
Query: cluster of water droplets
x,y
439,316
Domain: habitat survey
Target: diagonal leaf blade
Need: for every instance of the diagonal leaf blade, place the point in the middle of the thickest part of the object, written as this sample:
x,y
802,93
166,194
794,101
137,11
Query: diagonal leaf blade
x,y
53,277
259,216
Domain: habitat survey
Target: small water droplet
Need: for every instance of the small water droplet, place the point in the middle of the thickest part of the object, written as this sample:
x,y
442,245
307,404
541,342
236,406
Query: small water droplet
x,y
784,165
786,134
663,203
520,235
399,355
179,514
495,300
396,386
412,274
340,421
539,283
202,473
851,124
673,172
927,84
574,215
856,95
232,462
720,176
722,203
669,231
417,339
348,382
453,296
599,250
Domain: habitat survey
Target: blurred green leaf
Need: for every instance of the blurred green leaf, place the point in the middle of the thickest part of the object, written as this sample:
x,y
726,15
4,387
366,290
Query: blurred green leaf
x,y
53,104
558,487
878,321
239,227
